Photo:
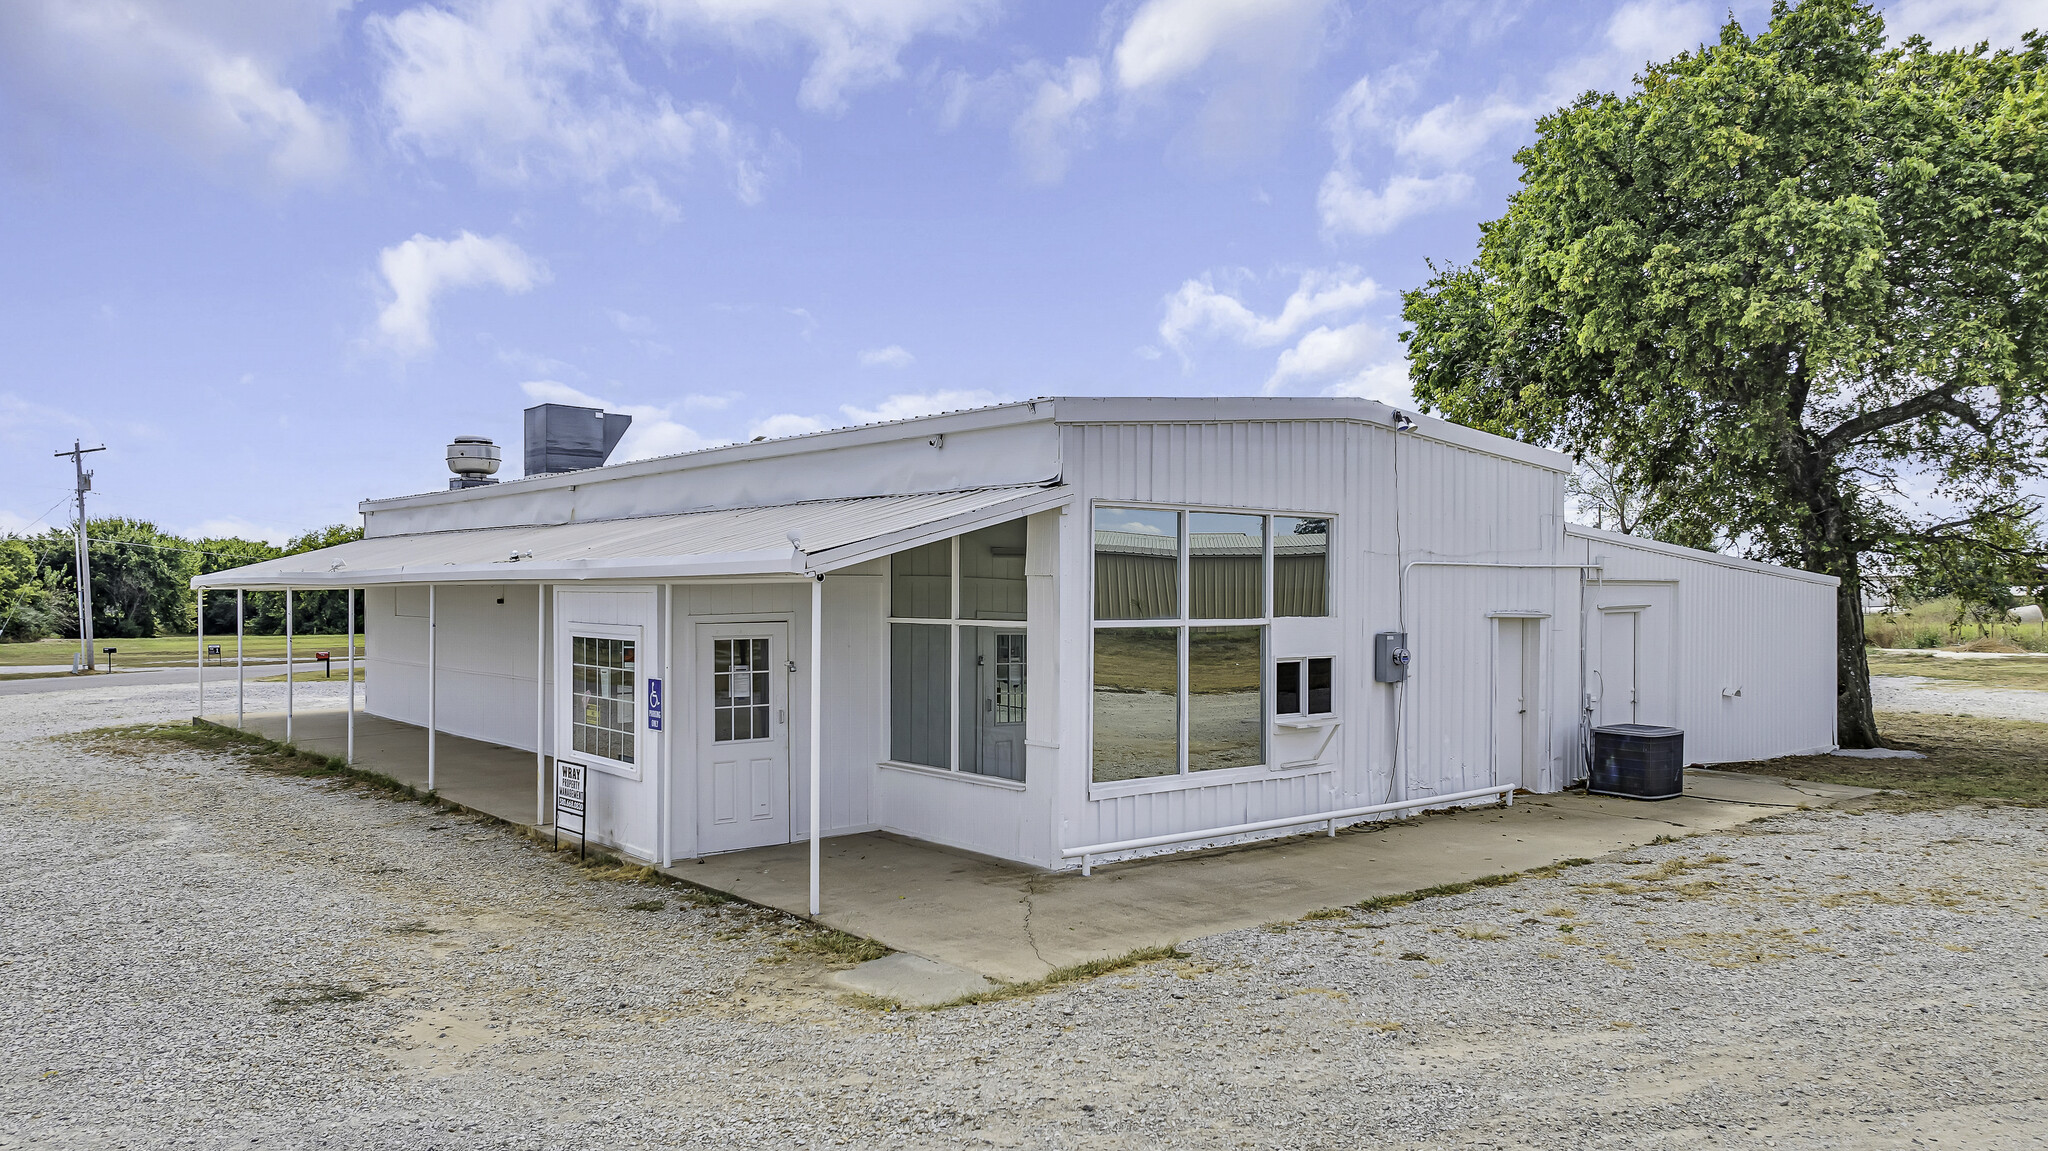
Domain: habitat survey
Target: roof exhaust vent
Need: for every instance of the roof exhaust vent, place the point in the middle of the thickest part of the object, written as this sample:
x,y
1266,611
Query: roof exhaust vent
x,y
474,460
564,438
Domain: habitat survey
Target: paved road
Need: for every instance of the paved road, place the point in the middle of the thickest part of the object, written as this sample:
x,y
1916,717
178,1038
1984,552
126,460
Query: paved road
x,y
215,676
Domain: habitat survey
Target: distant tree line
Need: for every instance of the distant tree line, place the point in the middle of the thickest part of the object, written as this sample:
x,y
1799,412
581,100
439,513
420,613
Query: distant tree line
x,y
141,583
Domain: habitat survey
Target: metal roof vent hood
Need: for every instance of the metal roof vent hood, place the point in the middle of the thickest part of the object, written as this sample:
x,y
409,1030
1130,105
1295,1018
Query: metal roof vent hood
x,y
474,460
565,438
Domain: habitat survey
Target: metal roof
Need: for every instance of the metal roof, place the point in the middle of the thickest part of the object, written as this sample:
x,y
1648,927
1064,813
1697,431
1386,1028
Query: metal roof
x,y
830,534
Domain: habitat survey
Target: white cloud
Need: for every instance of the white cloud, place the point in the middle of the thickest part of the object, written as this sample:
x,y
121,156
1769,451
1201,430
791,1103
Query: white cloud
x,y
654,432
893,356
208,79
1200,308
1168,40
1051,109
1348,206
1447,135
239,528
909,405
422,268
855,43
1358,359
536,90
784,424
1965,23
1053,125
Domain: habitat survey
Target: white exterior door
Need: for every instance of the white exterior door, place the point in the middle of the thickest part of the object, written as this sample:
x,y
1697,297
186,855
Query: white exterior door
x,y
1517,692
1619,632
742,713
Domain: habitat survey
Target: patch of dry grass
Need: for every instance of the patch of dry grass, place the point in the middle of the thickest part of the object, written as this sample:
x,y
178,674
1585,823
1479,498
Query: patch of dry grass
x,y
1968,760
2028,674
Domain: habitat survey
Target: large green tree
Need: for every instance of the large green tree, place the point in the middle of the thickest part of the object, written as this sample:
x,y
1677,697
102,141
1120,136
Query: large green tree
x,y
1784,280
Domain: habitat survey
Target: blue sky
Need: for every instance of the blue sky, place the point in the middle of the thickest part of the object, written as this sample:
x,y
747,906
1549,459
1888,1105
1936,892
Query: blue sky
x,y
275,253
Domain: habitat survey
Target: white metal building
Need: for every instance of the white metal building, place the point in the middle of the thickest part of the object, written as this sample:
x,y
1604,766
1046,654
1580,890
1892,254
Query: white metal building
x,y
1064,630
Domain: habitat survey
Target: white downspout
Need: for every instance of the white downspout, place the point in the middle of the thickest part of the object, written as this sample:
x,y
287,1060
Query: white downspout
x,y
817,726
238,659
350,756
540,705
288,665
431,636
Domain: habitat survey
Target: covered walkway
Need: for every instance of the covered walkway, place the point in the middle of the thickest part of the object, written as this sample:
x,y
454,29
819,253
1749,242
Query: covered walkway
x,y
487,777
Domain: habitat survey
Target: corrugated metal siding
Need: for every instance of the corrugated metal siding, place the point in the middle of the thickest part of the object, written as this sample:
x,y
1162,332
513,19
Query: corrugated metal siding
x,y
822,525
1770,635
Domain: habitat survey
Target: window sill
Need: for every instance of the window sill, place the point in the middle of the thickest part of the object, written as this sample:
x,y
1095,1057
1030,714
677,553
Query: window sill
x,y
956,776
1306,723
1219,778
607,766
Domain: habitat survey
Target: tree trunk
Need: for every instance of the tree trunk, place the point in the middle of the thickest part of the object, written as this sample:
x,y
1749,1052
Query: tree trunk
x,y
1855,721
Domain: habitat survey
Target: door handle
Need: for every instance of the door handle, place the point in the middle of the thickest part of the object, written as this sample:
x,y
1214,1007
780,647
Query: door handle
x,y
779,715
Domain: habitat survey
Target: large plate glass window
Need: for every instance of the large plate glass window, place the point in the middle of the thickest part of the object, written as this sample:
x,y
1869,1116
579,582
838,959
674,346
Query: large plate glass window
x,y
1183,603
1301,566
957,610
604,697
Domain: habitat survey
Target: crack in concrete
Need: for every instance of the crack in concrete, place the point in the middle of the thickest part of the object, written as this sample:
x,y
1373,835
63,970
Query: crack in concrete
x,y
1031,890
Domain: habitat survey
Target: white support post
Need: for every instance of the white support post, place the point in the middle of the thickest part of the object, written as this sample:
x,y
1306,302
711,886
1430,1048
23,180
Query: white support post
x,y
817,711
199,622
350,755
431,622
540,705
238,659
287,665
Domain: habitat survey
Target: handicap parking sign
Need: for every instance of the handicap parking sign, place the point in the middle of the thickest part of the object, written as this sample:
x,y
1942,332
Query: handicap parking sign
x,y
654,705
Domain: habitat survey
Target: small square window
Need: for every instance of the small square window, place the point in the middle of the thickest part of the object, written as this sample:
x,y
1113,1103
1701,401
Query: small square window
x,y
1303,687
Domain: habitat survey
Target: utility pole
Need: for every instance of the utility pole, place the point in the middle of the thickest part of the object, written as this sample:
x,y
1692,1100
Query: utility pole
x,y
84,557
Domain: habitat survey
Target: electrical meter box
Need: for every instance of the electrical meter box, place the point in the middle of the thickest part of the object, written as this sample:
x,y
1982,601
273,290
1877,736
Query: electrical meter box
x,y
1390,656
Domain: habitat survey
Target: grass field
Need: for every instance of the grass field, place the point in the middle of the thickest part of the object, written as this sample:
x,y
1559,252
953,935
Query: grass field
x,y
171,650
2031,674
1932,624
1999,760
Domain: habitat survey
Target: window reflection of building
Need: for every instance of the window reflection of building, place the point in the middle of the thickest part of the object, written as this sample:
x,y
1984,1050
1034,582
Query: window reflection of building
x,y
1190,695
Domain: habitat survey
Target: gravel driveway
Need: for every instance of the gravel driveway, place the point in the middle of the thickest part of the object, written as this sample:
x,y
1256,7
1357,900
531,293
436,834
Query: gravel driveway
x,y
198,954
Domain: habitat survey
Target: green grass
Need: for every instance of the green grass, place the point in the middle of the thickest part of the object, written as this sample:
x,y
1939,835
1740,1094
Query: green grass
x,y
339,674
1968,760
173,650
1403,898
2030,674
1933,624
248,749
1073,973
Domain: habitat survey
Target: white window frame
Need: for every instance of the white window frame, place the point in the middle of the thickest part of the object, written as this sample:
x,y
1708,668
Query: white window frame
x,y
1284,718
952,623
565,721
1184,778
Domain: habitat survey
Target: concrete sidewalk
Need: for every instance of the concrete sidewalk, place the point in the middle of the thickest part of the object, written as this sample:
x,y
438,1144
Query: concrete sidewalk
x,y
1014,923
973,916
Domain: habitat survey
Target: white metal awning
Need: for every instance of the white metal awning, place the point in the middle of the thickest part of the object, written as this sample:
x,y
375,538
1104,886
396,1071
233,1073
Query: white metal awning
x,y
830,534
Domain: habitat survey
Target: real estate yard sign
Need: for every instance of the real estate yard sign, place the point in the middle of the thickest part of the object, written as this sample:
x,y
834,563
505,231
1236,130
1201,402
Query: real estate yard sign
x,y
569,779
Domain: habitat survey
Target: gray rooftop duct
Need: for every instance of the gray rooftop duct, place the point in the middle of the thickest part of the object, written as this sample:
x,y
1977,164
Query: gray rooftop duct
x,y
563,438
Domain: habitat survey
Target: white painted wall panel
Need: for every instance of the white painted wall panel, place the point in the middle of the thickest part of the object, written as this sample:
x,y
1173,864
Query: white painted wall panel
x,y
485,661
1769,633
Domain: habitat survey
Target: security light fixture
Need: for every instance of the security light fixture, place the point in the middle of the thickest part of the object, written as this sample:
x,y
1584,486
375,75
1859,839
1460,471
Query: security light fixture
x,y
1403,424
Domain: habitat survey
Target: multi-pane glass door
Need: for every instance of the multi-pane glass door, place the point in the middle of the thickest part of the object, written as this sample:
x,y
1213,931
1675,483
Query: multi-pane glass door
x,y
740,700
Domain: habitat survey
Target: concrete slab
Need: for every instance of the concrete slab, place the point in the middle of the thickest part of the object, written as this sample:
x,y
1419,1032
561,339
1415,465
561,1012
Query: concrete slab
x,y
958,918
912,979
1014,923
486,777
